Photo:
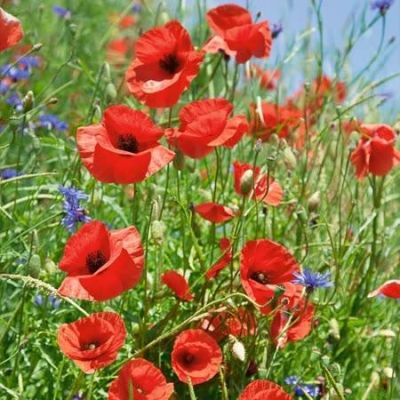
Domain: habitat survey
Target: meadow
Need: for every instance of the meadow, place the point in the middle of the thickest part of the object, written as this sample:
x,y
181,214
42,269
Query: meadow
x,y
179,219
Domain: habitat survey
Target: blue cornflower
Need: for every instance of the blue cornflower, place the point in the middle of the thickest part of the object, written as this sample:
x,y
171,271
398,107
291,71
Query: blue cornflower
x,y
15,101
381,5
276,30
74,213
136,8
5,85
30,61
54,301
38,300
16,73
312,390
62,12
50,121
312,280
292,380
9,173
78,396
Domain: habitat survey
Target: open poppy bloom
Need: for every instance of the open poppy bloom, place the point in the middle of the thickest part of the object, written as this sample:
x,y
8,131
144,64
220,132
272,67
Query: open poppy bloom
x,y
262,389
234,29
196,356
101,264
264,265
139,379
92,342
223,261
178,284
292,323
124,148
165,65
206,124
389,289
274,119
265,188
10,30
238,323
213,212
375,152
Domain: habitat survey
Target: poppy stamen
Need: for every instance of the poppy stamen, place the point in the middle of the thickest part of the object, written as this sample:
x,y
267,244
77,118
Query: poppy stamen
x,y
169,63
95,260
259,277
188,358
128,143
90,346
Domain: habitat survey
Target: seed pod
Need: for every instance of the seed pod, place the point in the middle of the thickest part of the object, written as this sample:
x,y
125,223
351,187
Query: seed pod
x,y
247,182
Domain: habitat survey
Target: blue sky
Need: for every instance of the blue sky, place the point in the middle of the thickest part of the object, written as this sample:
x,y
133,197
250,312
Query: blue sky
x,y
338,15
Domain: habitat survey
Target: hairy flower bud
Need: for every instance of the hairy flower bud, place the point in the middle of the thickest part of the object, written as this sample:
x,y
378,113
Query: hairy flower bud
x,y
247,182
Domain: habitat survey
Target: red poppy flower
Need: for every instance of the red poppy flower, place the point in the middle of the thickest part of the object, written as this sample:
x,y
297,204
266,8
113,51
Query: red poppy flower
x,y
126,21
10,30
375,152
178,284
239,323
292,323
205,124
92,342
265,264
118,50
213,212
274,119
124,148
234,26
139,379
165,64
101,264
223,261
389,289
261,389
268,79
196,355
266,189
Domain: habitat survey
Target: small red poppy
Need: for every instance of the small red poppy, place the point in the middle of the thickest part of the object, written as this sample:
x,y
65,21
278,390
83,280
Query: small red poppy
x,y
165,64
261,389
239,323
234,27
204,125
213,212
196,355
139,379
292,323
118,50
92,342
223,261
268,79
375,152
389,289
124,148
10,30
101,264
266,189
265,264
178,284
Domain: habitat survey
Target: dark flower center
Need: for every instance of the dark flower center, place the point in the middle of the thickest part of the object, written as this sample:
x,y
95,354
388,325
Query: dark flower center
x,y
188,358
169,63
128,143
90,346
95,261
259,277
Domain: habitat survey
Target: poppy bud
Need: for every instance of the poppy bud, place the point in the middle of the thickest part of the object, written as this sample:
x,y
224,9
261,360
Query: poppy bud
x,y
179,160
247,182
289,158
314,201
34,266
334,330
111,91
52,101
37,47
258,146
28,101
50,266
107,72
158,229
156,210
238,349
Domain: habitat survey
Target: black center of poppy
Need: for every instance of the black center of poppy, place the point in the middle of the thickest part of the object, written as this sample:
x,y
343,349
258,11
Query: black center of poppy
x,y
90,346
188,358
95,261
128,143
259,277
170,63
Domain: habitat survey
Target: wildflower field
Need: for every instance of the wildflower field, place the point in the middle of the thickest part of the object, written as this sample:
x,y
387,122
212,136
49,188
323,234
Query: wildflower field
x,y
181,219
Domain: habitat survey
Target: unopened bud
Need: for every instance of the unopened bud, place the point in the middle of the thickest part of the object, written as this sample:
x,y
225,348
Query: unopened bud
x,y
158,229
34,266
37,46
111,91
289,158
179,160
238,349
314,201
247,182
28,101
274,139
51,101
